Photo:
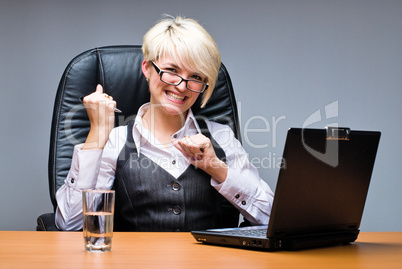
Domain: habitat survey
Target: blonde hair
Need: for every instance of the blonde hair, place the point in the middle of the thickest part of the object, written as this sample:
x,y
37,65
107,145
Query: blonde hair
x,y
186,40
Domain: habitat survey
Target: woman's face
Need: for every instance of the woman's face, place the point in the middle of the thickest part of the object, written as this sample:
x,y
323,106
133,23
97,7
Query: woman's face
x,y
174,100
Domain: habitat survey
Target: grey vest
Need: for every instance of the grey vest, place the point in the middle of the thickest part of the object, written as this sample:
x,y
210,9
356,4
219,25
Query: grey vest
x,y
150,199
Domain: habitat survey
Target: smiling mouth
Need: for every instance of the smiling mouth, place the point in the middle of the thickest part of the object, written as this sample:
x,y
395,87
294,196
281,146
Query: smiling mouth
x,y
175,97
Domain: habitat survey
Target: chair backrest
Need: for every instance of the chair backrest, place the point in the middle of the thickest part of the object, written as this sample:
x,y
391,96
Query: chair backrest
x,y
118,69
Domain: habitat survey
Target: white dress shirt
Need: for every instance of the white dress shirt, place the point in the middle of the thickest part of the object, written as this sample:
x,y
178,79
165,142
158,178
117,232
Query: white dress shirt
x,y
95,169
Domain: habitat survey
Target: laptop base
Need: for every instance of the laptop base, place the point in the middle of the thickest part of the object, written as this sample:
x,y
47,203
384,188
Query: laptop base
x,y
272,244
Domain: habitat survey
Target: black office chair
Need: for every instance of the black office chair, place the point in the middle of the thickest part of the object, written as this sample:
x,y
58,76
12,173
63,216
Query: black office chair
x,y
118,69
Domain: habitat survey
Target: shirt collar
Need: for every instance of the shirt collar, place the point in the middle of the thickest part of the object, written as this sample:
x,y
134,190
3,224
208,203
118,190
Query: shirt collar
x,y
139,131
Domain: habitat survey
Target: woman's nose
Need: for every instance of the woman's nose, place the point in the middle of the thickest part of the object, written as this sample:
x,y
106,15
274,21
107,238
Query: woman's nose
x,y
182,86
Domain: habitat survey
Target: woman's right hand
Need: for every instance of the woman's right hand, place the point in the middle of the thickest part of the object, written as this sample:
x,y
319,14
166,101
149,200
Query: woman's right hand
x,y
100,109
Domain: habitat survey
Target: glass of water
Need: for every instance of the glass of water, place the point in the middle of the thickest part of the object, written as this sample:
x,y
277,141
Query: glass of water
x,y
98,211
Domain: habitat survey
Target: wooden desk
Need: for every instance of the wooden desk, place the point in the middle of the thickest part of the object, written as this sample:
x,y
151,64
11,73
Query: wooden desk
x,y
179,250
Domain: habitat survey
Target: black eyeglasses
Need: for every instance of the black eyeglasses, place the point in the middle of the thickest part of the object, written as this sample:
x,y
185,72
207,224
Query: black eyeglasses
x,y
174,79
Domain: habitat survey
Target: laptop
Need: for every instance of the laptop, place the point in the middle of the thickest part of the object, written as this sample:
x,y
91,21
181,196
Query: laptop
x,y
320,194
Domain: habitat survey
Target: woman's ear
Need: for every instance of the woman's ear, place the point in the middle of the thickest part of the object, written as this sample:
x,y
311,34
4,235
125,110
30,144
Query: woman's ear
x,y
145,69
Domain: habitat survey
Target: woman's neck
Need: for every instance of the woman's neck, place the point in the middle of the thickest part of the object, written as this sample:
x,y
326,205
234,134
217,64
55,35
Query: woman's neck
x,y
161,124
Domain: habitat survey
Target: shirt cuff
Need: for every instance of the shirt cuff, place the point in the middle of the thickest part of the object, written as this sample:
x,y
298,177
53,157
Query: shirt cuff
x,y
89,161
231,190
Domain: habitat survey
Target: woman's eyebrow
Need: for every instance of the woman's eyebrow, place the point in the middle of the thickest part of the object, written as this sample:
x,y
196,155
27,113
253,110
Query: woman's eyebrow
x,y
177,67
173,65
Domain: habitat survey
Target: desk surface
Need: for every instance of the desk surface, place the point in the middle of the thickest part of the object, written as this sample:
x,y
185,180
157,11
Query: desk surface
x,y
180,250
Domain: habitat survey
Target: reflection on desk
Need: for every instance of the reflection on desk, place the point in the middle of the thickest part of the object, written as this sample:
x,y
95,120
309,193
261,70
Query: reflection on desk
x,y
180,250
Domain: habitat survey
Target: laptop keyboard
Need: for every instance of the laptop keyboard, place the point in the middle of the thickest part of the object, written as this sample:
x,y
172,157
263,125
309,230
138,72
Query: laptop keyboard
x,y
260,233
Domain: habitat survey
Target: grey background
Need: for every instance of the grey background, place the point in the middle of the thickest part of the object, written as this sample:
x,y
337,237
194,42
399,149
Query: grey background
x,y
287,59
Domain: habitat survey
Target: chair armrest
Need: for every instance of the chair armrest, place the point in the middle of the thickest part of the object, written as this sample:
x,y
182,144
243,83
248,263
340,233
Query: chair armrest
x,y
45,222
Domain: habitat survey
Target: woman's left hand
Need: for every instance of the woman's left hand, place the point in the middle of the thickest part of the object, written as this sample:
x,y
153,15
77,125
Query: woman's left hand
x,y
200,152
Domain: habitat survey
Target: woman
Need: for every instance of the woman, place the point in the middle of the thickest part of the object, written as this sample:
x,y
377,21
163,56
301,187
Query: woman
x,y
168,174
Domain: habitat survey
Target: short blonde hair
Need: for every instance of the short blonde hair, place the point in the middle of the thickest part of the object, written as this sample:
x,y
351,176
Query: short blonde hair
x,y
186,40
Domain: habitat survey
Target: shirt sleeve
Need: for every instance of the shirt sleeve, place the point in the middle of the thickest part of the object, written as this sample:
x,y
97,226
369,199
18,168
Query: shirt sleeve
x,y
243,186
68,197
90,169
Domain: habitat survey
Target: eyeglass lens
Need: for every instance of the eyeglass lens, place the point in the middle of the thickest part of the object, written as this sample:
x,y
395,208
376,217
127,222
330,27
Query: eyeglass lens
x,y
176,79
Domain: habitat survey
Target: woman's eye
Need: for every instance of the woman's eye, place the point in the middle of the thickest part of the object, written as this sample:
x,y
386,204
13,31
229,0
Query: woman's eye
x,y
171,70
196,77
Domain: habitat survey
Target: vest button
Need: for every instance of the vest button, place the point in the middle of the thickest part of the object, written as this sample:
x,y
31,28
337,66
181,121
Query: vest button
x,y
174,162
177,210
176,186
72,180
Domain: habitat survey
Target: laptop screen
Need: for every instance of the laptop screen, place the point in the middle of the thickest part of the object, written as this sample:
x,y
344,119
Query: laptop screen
x,y
323,182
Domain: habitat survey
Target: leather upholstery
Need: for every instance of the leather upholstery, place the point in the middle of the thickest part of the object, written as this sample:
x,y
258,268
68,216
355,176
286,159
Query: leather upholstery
x,y
118,69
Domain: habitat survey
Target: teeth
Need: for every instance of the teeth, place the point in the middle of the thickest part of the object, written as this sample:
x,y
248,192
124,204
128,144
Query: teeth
x,y
175,96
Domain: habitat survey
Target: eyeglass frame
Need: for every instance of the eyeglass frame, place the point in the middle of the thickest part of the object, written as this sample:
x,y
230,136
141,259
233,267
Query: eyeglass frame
x,y
160,73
